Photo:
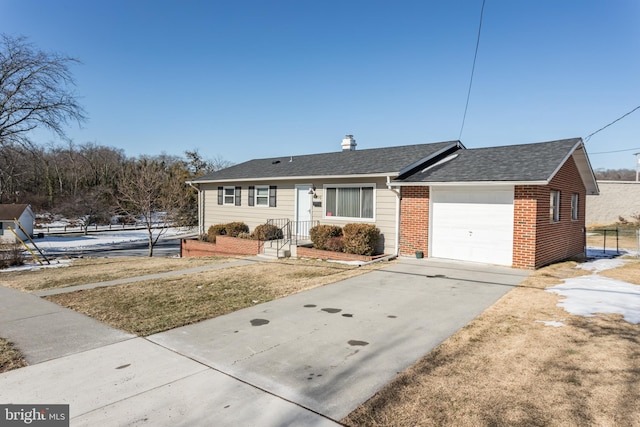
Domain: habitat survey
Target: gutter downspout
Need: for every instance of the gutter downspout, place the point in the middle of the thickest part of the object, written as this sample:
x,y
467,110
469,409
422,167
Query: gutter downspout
x,y
200,209
398,198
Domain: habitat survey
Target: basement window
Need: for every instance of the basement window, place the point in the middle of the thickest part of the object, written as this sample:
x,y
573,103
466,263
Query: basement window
x,y
554,206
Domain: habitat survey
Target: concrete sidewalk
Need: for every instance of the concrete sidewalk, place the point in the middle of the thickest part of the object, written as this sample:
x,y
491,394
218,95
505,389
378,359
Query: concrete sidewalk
x,y
307,359
44,331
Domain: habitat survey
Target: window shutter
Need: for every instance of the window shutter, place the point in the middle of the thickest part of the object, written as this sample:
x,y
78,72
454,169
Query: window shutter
x,y
272,196
238,199
252,190
220,195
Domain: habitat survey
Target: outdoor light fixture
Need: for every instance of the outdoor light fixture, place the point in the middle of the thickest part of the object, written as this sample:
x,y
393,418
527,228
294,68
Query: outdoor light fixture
x,y
312,191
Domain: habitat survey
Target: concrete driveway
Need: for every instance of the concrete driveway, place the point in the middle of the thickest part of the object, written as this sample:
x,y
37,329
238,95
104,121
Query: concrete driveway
x,y
331,348
307,359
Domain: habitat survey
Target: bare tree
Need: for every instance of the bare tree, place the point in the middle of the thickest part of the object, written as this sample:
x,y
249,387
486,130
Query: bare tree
x,y
149,190
35,91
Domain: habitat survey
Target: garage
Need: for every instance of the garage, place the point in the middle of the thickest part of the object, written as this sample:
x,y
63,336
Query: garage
x,y
472,223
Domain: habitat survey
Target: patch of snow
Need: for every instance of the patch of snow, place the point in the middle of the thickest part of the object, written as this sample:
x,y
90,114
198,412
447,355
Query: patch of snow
x,y
553,323
601,264
34,266
105,238
588,295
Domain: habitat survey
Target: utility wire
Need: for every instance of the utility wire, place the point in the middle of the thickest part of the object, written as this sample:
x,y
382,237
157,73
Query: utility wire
x,y
606,126
475,56
616,151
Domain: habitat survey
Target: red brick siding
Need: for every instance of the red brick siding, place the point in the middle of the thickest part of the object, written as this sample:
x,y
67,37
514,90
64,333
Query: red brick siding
x,y
525,223
414,220
565,238
536,240
224,245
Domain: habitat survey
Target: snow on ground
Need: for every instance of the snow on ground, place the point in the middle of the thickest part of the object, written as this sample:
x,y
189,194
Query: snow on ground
x,y
588,295
599,265
553,323
57,244
104,238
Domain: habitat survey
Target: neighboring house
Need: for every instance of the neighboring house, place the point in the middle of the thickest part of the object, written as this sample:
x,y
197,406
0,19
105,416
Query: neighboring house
x,y
617,199
519,205
8,214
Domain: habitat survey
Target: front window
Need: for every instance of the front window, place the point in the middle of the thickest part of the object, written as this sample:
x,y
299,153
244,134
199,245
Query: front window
x,y
554,206
229,195
262,196
345,201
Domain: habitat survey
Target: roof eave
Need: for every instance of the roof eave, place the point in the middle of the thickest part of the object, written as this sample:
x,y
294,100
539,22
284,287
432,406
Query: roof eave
x,y
469,183
295,178
581,159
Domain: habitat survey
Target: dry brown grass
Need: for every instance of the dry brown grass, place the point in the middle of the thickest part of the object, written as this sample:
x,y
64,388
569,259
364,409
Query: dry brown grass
x,y
153,306
507,369
10,357
91,270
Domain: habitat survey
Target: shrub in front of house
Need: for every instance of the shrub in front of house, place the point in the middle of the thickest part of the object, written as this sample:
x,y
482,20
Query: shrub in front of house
x,y
232,229
360,239
267,232
320,234
335,244
215,230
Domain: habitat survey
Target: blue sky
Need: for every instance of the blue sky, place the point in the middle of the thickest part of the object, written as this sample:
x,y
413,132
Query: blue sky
x,y
249,79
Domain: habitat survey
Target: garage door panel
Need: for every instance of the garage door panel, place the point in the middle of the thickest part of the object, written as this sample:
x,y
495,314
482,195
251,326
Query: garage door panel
x,y
472,225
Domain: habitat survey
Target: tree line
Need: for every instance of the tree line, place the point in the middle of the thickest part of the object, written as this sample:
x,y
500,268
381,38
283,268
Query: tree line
x,y
89,182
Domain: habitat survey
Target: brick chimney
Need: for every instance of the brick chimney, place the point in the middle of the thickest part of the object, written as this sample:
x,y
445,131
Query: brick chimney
x,y
348,143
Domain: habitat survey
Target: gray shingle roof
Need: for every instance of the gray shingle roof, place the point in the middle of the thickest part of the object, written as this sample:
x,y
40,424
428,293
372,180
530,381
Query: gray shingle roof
x,y
340,163
527,162
10,211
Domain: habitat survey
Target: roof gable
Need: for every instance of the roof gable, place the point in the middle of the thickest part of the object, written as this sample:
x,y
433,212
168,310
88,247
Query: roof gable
x,y
10,211
535,163
389,160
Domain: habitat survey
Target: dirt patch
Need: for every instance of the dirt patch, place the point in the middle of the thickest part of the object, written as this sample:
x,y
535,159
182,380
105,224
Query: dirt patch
x,y
148,307
10,357
507,368
91,270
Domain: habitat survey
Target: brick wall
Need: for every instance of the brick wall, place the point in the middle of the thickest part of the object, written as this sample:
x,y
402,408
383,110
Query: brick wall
x,y
537,241
224,245
414,220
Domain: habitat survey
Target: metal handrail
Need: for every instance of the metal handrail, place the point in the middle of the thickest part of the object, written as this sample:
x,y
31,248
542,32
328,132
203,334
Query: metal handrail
x,y
289,232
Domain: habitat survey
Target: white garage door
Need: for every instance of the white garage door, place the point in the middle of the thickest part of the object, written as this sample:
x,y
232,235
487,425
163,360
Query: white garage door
x,y
472,224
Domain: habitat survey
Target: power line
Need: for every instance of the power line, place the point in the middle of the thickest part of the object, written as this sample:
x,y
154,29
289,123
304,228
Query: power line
x,y
475,56
616,151
606,126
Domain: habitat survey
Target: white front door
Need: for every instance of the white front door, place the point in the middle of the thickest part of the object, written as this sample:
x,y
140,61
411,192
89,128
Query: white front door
x,y
472,224
303,209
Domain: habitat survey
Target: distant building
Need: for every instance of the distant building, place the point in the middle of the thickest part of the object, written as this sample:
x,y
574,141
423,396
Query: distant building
x,y
617,199
9,213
